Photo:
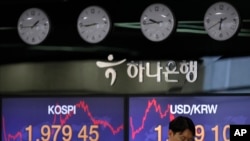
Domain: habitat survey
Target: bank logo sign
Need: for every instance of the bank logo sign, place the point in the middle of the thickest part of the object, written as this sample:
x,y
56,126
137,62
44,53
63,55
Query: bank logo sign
x,y
140,69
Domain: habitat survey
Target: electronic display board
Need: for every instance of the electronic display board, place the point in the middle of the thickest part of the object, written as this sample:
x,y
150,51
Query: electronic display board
x,y
62,119
149,117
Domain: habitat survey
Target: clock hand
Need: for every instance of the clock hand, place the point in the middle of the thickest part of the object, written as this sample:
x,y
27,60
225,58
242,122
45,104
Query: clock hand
x,y
215,24
145,23
22,26
87,25
154,21
35,24
222,19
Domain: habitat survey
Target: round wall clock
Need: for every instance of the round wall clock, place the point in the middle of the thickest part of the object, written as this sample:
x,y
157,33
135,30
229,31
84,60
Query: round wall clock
x,y
94,24
157,22
222,21
33,26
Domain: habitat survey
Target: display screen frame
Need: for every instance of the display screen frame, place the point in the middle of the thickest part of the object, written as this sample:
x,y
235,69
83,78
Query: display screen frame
x,y
99,119
126,100
216,129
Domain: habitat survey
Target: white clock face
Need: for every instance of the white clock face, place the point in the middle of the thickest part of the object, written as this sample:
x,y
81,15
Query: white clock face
x,y
157,22
33,26
93,24
222,21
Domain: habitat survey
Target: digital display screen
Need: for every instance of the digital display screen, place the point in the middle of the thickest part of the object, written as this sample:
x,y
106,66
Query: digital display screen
x,y
149,117
63,119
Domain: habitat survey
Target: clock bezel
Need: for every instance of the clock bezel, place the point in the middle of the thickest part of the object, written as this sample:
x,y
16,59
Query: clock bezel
x,y
233,36
174,19
110,24
49,24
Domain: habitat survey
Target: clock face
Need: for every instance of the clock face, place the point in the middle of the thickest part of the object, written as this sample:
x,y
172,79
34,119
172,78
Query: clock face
x,y
222,21
33,26
93,24
157,22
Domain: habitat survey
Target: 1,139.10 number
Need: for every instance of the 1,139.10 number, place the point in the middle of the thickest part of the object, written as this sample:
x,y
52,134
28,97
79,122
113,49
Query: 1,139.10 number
x,y
48,131
200,132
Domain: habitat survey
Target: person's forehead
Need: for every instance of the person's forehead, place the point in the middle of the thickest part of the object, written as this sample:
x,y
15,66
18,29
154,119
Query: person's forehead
x,y
187,133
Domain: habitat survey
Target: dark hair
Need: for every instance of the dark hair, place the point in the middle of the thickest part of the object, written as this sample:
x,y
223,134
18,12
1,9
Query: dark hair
x,y
181,123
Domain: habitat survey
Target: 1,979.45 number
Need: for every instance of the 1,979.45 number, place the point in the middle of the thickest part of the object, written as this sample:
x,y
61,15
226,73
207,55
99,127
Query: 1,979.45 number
x,y
52,131
200,132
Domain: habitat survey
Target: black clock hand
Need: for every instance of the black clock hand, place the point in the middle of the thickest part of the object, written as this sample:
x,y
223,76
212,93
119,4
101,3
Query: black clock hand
x,y
215,24
145,23
35,24
87,25
154,21
221,22
22,26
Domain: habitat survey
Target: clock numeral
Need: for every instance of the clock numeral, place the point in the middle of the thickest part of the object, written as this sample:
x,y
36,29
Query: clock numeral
x,y
81,25
156,8
144,22
99,36
92,11
208,20
233,14
235,21
93,37
162,34
233,26
105,20
33,39
32,13
221,7
170,21
221,35
157,36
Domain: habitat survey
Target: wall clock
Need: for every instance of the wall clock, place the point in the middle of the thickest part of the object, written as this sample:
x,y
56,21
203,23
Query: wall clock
x,y
94,24
157,22
222,21
33,26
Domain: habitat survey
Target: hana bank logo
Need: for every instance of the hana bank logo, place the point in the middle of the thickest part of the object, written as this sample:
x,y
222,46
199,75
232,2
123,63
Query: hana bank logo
x,y
159,70
110,72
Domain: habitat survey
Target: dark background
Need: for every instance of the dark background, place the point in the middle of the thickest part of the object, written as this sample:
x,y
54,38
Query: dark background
x,y
125,42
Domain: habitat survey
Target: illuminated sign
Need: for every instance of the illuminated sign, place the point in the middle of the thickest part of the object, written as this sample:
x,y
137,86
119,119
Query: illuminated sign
x,y
62,119
149,116
142,69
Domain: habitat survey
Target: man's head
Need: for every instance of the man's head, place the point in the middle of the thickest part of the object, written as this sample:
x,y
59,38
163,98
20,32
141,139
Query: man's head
x,y
181,129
